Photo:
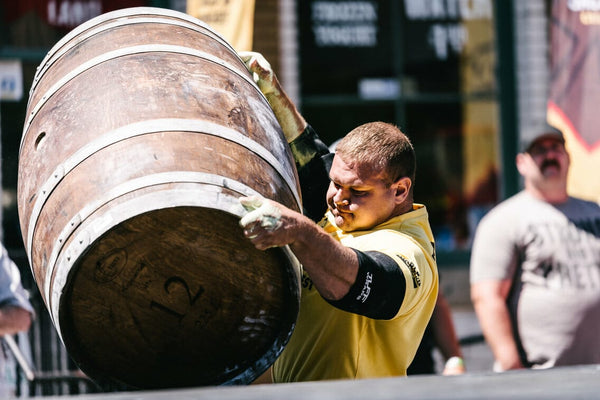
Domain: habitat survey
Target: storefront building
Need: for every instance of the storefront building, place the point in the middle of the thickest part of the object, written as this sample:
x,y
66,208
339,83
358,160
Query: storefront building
x,y
462,78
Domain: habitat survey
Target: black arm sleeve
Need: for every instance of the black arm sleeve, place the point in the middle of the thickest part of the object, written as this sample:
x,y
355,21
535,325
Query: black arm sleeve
x,y
379,288
313,161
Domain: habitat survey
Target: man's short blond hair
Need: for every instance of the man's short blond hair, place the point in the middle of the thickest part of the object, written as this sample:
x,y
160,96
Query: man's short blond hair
x,y
381,145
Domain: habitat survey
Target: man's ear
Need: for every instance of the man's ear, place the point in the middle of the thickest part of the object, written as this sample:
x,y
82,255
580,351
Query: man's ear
x,y
402,187
520,162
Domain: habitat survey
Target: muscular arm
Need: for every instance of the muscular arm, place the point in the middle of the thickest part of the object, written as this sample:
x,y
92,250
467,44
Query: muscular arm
x,y
310,244
489,300
310,154
365,283
335,278
288,116
270,224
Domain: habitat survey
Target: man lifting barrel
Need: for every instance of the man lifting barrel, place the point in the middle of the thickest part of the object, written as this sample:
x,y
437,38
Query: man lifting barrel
x,y
370,278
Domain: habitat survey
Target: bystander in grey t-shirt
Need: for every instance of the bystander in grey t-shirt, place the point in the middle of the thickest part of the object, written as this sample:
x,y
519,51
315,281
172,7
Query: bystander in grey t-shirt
x,y
552,253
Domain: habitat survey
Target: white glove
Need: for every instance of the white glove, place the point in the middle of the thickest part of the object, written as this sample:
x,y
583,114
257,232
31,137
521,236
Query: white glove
x,y
261,70
260,213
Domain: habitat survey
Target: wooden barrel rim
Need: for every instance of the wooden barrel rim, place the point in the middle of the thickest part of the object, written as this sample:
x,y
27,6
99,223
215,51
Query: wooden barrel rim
x,y
150,127
111,55
55,54
130,186
135,12
147,203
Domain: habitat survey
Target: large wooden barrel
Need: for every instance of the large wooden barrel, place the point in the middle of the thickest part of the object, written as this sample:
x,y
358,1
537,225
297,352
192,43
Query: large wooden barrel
x,y
143,129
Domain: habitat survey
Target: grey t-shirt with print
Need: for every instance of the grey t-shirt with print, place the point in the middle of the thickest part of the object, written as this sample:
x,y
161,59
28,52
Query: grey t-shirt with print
x,y
552,253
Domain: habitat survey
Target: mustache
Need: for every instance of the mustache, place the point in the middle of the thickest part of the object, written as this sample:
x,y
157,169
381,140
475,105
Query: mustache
x,y
549,163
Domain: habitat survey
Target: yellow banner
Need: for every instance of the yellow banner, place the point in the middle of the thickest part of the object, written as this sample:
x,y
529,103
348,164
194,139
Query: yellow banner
x,y
233,19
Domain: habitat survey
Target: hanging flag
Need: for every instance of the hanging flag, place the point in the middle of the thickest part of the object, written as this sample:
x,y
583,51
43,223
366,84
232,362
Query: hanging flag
x,y
233,19
575,90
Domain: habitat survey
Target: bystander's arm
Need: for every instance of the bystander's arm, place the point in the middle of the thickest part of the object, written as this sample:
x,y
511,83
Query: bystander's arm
x,y
13,319
444,335
489,300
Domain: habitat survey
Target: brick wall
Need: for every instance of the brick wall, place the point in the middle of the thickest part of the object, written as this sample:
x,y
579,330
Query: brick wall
x,y
532,64
266,31
275,36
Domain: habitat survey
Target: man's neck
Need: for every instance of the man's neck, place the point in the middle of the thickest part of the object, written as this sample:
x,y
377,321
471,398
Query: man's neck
x,y
552,195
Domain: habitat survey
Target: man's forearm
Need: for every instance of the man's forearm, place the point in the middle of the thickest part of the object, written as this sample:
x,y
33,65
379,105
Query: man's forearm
x,y
14,319
291,121
443,329
332,267
497,328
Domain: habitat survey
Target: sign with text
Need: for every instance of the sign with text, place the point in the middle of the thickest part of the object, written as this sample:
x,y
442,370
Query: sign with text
x,y
342,42
436,34
11,80
65,14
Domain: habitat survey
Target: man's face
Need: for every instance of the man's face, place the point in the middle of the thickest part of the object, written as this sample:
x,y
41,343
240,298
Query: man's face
x,y
358,196
547,161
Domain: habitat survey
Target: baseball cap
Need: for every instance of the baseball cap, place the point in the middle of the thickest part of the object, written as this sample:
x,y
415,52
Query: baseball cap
x,y
547,132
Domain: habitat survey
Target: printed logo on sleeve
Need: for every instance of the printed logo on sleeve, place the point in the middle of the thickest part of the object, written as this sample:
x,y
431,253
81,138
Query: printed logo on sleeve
x,y
307,283
366,290
416,277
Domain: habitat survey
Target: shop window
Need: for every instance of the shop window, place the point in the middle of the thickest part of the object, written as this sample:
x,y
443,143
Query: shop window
x,y
429,67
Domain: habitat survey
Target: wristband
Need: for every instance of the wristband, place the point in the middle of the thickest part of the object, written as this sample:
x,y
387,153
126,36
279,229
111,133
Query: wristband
x,y
455,362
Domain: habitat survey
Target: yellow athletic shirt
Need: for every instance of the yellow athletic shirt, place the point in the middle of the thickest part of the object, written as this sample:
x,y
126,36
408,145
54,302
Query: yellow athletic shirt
x,y
328,343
